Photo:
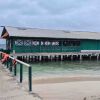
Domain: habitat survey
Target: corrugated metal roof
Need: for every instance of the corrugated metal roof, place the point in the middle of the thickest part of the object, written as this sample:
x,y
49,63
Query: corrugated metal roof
x,y
47,33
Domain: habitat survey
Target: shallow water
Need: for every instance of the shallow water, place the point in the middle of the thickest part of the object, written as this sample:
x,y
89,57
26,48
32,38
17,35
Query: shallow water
x,y
64,68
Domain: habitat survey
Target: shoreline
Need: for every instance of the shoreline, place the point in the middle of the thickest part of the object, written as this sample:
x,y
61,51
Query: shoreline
x,y
63,79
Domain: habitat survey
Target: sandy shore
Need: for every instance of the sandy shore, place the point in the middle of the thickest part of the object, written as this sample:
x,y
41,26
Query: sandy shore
x,y
79,87
62,79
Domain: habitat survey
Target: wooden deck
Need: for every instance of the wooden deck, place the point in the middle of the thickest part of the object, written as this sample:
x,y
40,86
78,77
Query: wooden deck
x,y
56,56
10,89
52,54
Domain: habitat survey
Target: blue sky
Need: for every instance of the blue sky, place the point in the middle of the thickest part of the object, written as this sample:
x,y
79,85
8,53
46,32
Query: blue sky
x,y
72,15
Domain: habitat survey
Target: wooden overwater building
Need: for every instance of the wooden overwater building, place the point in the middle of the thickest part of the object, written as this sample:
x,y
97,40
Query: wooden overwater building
x,y
45,44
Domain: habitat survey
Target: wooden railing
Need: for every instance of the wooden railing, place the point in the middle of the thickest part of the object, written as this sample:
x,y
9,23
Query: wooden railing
x,y
9,65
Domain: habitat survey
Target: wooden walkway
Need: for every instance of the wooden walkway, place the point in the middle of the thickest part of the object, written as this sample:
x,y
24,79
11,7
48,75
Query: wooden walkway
x,y
53,54
10,89
32,57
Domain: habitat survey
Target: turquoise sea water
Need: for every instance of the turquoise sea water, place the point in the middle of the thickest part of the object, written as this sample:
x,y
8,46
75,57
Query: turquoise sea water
x,y
64,68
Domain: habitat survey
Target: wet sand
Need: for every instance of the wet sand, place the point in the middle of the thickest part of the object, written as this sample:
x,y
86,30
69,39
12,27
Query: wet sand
x,y
83,87
63,79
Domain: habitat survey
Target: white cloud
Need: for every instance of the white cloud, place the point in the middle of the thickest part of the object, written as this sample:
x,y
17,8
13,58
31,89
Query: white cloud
x,y
60,14
61,6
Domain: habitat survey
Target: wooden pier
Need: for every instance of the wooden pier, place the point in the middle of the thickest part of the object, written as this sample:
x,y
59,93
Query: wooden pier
x,y
69,56
34,45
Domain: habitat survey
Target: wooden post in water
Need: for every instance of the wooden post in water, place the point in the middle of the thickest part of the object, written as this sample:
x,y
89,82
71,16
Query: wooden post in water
x,y
90,57
40,58
32,59
23,58
51,57
26,58
61,57
97,57
71,57
80,57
